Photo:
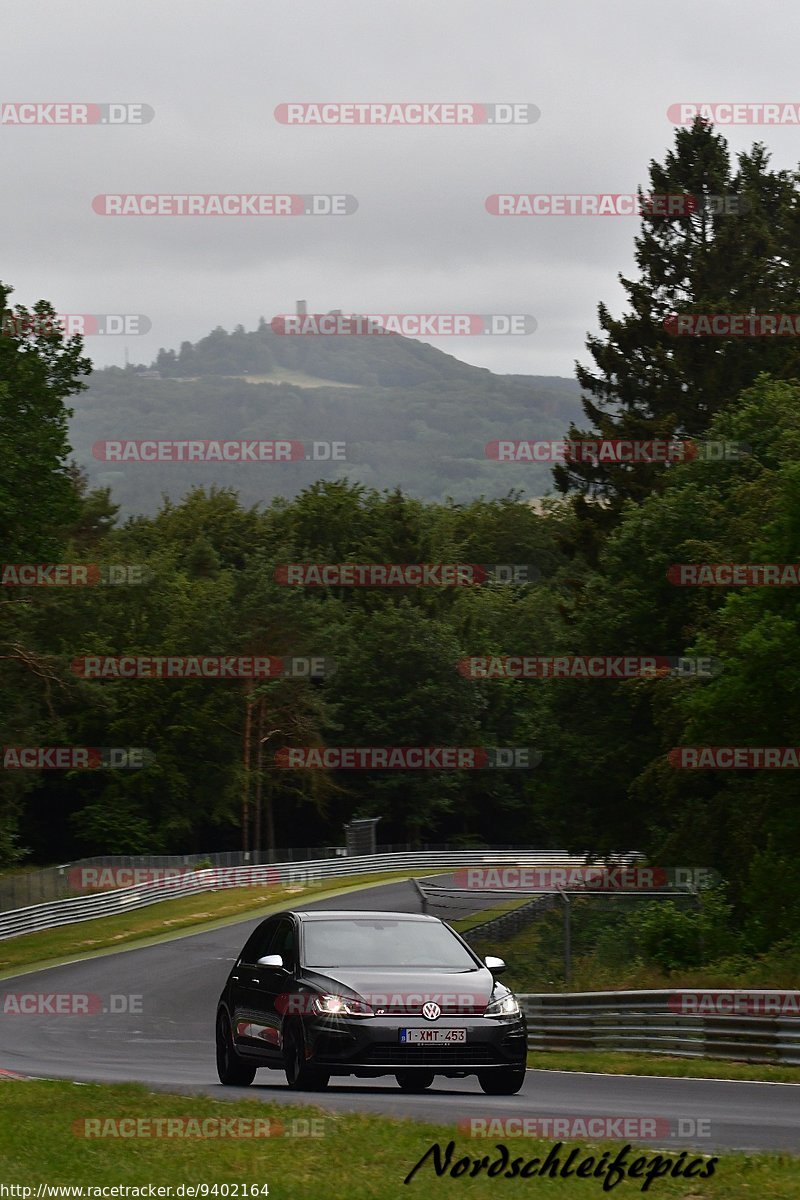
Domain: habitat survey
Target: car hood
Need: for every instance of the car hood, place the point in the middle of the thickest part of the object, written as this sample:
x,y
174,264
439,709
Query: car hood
x,y
399,989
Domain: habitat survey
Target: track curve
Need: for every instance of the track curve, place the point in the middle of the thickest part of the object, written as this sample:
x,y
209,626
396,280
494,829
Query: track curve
x,y
167,1042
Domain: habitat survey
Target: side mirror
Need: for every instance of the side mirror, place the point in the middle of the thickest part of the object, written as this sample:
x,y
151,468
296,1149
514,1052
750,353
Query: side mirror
x,y
273,961
495,965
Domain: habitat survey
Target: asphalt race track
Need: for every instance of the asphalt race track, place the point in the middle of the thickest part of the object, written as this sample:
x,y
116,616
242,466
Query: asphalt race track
x,y
169,1044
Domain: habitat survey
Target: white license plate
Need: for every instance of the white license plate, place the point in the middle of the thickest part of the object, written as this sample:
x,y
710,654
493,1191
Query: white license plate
x,y
432,1037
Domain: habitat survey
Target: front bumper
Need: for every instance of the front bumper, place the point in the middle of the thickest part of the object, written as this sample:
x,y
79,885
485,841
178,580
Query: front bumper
x,y
371,1046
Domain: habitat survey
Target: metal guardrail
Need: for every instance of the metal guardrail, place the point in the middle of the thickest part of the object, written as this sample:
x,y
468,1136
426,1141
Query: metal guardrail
x,y
38,917
19,889
545,900
651,1023
646,1022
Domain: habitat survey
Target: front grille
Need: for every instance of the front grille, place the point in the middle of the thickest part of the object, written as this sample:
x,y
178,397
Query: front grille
x,y
454,1055
415,1010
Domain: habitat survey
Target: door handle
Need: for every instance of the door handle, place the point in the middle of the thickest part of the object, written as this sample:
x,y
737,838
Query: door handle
x,y
255,980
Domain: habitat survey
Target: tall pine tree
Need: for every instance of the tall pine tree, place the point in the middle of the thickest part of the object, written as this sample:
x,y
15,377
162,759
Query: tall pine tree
x,y
646,381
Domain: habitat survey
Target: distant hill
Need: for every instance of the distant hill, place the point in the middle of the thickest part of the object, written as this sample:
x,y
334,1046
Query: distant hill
x,y
409,414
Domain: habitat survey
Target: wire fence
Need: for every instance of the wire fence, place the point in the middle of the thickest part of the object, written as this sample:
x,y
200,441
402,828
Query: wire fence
x,y
457,903
510,923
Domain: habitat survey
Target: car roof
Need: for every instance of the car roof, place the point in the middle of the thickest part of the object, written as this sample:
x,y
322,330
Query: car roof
x,y
348,914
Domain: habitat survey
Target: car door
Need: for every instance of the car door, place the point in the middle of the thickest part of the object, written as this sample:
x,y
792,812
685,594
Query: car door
x,y
270,985
246,996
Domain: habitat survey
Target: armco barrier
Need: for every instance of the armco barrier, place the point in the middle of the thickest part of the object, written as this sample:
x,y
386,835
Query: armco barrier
x,y
121,900
21,889
642,1022
646,1023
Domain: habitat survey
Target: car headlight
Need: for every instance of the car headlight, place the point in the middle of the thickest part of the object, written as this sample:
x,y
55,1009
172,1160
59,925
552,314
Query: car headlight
x,y
340,1006
503,1006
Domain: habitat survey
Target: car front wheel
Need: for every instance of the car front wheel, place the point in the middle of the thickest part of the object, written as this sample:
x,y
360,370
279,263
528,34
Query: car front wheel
x,y
414,1081
501,1083
300,1076
230,1068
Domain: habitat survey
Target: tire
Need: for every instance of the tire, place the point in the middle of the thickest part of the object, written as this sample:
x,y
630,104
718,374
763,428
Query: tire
x,y
232,1071
414,1081
505,1082
299,1075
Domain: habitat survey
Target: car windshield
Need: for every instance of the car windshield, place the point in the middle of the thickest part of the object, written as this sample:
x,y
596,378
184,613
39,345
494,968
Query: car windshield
x,y
370,942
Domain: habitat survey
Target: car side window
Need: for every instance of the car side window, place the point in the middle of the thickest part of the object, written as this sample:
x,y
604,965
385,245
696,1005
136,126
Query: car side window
x,y
259,943
284,943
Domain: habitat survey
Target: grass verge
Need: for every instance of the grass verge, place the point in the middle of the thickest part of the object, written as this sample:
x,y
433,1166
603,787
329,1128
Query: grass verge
x,y
619,1063
464,924
357,1157
606,956
167,918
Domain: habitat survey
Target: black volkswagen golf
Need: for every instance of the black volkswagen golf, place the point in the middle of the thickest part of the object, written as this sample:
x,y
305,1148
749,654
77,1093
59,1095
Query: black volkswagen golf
x,y
325,993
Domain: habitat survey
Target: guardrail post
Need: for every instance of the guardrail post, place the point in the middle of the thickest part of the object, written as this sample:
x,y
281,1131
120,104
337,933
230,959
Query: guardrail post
x,y
567,938
423,898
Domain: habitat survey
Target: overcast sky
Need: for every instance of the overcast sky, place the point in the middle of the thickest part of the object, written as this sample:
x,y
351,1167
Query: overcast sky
x,y
602,72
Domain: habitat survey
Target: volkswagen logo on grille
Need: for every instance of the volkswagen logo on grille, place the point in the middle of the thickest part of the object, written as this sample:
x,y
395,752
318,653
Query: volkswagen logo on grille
x,y
431,1011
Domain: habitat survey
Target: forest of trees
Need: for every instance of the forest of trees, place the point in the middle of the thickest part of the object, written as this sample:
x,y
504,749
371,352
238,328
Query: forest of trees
x,y
408,415
603,548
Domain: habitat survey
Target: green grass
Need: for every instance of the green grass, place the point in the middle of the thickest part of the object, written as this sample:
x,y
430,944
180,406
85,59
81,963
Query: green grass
x,y
169,918
620,1063
531,968
297,378
466,923
276,376
15,869
535,961
359,1157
